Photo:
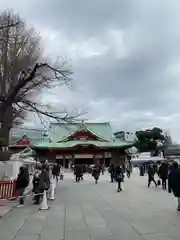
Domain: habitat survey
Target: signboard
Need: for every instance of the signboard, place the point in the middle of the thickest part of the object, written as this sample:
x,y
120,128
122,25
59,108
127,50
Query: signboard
x,y
83,155
86,156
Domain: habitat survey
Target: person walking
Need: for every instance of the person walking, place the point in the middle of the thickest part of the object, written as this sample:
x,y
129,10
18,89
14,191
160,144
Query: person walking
x,y
21,184
55,173
44,183
151,175
128,169
141,170
174,182
163,174
96,173
102,169
36,187
112,172
78,172
170,168
81,172
119,177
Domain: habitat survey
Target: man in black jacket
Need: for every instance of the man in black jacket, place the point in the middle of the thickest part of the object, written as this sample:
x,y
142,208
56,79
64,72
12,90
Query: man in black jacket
x,y
151,173
21,183
174,182
112,171
163,174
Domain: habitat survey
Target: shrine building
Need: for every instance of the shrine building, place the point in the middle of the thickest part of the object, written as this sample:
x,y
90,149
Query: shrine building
x,y
77,143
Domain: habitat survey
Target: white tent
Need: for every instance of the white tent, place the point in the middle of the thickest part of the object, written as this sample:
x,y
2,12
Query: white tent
x,y
146,157
11,167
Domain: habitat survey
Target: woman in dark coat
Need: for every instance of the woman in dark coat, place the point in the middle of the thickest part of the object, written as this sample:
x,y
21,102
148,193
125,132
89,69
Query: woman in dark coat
x,y
174,182
21,184
119,177
44,183
55,172
36,188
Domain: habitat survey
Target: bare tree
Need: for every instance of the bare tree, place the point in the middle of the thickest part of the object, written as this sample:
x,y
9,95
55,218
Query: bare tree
x,y
24,73
19,50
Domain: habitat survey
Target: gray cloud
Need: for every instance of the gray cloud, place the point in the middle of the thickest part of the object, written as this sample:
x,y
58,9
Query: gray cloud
x,y
125,55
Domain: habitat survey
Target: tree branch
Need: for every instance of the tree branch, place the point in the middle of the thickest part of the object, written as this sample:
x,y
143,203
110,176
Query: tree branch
x,y
10,25
33,107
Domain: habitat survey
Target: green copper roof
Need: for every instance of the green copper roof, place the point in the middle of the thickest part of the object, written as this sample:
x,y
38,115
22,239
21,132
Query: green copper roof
x,y
60,131
69,144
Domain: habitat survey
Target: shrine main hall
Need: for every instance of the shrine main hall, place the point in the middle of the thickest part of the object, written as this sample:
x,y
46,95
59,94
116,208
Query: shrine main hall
x,y
72,143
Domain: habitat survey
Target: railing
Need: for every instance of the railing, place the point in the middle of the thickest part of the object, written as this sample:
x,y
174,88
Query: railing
x,y
7,189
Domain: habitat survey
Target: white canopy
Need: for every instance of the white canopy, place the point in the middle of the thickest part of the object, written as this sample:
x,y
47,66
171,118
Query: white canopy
x,y
146,157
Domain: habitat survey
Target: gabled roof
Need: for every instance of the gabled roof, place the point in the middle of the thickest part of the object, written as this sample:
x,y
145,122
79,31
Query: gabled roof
x,y
61,131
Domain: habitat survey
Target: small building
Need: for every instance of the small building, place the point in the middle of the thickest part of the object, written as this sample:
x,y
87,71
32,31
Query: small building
x,y
21,138
125,136
81,143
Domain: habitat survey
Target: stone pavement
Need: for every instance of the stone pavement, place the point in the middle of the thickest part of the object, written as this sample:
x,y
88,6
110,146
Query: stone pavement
x,y
4,210
85,211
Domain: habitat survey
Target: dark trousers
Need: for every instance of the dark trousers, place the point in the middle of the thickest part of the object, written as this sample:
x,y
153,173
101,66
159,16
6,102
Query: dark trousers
x,y
96,179
164,183
119,186
77,178
37,198
55,177
21,196
112,177
151,179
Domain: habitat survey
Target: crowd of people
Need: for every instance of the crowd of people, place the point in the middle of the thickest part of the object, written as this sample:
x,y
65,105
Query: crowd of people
x,y
168,177
40,182
95,170
116,173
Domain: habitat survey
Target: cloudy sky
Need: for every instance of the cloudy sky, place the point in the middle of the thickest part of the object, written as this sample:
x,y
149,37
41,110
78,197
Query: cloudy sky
x,y
125,55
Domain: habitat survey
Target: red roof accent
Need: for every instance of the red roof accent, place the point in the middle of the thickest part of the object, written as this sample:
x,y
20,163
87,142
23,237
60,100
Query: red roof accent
x,y
23,142
83,134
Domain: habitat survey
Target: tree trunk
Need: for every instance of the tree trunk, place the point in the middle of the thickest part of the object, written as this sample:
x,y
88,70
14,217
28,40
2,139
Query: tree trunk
x,y
6,125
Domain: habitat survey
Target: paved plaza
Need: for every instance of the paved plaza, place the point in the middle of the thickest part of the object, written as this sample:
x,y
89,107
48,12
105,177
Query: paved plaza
x,y
84,211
